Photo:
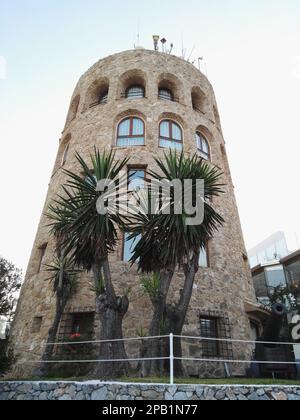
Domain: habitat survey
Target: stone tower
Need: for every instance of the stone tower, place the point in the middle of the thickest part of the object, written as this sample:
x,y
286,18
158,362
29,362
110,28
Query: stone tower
x,y
140,103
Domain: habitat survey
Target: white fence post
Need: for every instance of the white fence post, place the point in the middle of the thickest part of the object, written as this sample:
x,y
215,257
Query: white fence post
x,y
171,359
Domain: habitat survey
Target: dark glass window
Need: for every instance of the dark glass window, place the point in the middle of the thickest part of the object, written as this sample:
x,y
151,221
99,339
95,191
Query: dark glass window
x,y
65,155
42,252
36,324
103,98
203,146
83,324
209,329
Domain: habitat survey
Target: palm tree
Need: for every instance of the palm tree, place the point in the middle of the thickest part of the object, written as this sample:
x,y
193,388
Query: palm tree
x,y
64,277
90,237
167,241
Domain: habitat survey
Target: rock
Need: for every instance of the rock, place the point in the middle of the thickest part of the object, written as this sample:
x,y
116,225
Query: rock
x,y
11,395
260,392
4,396
134,392
253,397
231,395
172,390
71,390
209,394
43,396
242,398
220,395
293,397
99,395
180,396
264,398
280,396
65,397
151,395
24,389
169,397
79,396
199,391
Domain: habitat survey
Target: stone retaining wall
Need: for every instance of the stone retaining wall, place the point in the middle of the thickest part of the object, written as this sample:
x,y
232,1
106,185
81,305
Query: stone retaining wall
x,y
99,391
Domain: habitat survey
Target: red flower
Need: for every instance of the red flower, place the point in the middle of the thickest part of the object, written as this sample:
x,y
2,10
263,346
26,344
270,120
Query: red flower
x,y
77,335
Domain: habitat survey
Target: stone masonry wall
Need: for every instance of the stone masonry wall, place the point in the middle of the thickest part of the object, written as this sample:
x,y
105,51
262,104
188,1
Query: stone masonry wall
x,y
44,391
225,286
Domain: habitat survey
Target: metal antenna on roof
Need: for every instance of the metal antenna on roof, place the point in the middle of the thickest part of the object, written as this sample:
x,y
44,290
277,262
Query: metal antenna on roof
x,y
199,62
193,49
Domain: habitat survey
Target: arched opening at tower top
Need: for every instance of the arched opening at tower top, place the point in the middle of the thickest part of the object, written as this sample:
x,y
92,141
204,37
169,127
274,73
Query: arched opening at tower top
x,y
199,100
133,85
97,93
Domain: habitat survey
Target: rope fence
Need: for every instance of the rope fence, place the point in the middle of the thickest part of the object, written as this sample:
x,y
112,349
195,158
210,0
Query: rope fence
x,y
171,357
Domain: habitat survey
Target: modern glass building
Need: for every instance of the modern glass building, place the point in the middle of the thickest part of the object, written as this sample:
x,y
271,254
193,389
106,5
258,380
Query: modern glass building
x,y
272,249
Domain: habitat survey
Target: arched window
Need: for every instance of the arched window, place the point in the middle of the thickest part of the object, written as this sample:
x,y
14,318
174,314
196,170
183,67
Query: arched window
x,y
65,155
103,98
135,92
131,132
170,135
203,146
165,94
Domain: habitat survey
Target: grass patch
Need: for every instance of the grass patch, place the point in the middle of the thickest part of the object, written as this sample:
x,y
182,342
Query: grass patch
x,y
229,381
178,381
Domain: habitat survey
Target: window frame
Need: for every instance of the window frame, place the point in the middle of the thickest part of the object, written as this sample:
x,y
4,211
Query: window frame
x,y
103,98
163,97
65,154
205,352
36,324
42,252
170,139
131,135
135,168
201,152
135,86
207,250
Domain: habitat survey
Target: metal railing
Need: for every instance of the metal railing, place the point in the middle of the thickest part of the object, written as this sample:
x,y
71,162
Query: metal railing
x,y
171,357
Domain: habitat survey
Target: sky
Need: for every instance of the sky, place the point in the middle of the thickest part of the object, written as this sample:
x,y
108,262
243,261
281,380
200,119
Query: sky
x,y
252,55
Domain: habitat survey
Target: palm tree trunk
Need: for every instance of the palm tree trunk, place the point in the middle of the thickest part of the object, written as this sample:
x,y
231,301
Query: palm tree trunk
x,y
176,315
50,346
111,310
61,301
153,367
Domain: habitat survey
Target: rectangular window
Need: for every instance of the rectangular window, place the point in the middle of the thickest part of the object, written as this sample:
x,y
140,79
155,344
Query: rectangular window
x,y
42,252
275,276
209,329
204,258
128,247
83,324
136,178
214,325
36,324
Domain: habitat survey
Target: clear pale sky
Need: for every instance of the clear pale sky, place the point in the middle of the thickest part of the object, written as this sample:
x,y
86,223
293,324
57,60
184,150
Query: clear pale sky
x,y
252,51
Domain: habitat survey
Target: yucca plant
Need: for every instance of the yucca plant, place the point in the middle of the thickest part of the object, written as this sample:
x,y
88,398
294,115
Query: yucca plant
x,y
64,276
167,241
90,236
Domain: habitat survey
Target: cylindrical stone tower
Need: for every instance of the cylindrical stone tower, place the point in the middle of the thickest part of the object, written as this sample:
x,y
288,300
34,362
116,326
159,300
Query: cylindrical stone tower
x,y
140,103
